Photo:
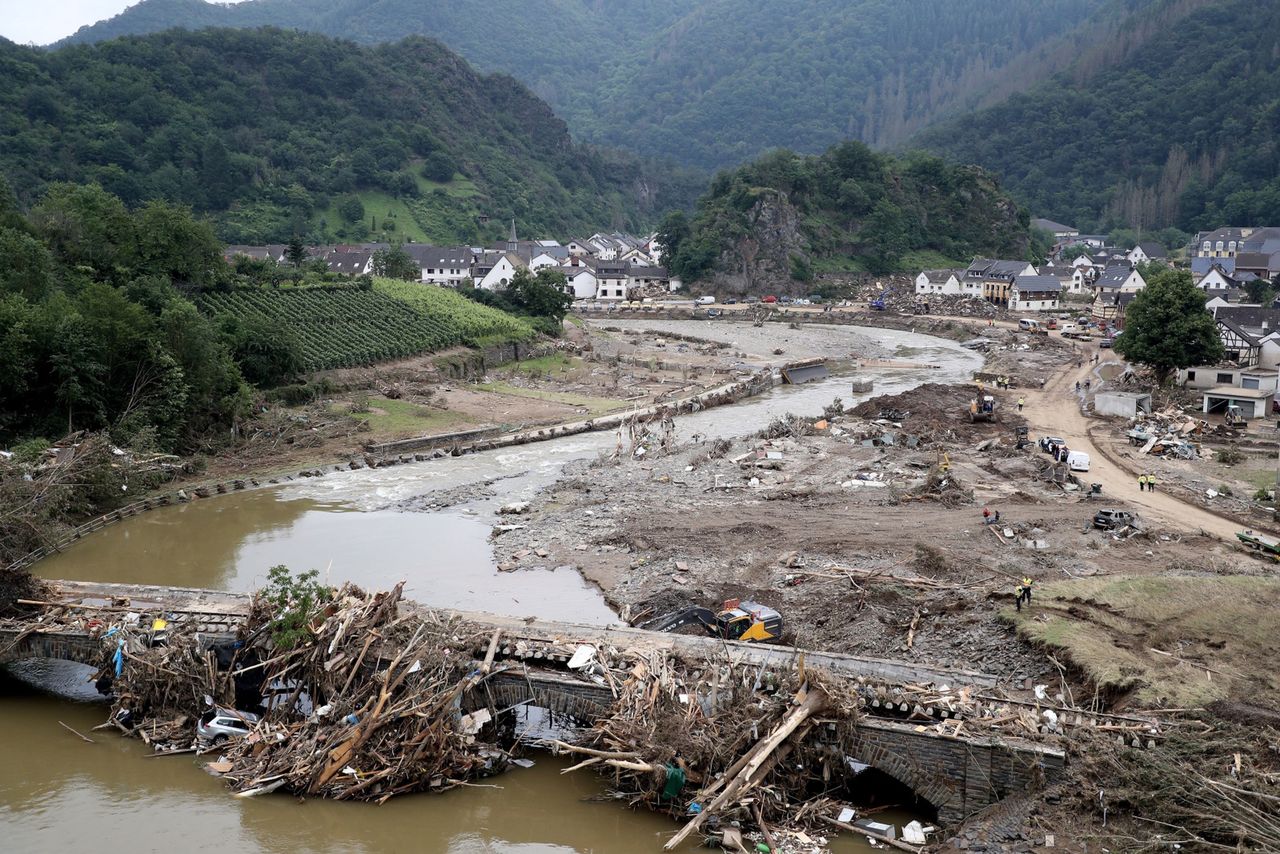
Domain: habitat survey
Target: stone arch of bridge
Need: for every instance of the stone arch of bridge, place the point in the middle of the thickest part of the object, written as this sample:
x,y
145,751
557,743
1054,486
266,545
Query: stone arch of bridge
x,y
926,783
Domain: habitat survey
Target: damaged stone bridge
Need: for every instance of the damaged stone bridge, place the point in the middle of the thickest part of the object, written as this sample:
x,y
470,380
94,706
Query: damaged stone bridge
x,y
957,770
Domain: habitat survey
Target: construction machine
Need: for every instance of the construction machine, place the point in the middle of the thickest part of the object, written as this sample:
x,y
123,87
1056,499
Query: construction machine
x,y
1235,417
1020,438
737,620
982,408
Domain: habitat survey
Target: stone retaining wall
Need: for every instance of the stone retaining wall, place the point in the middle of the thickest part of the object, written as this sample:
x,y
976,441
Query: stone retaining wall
x,y
730,393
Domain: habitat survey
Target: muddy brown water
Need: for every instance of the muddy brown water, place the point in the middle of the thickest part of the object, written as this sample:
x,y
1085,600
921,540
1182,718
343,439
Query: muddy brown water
x,y
59,793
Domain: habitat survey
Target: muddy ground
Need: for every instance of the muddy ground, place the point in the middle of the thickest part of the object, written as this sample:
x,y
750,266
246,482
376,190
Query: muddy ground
x,y
779,520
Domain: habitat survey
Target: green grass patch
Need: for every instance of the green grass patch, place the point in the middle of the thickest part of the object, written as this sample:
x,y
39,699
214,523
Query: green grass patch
x,y
401,416
552,363
1174,641
380,208
594,405
839,264
928,259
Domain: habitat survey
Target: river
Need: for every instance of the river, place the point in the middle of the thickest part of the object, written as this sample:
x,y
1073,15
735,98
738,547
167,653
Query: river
x,y
61,792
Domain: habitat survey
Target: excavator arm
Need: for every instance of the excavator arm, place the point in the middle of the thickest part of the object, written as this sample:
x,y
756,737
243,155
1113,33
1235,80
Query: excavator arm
x,y
678,619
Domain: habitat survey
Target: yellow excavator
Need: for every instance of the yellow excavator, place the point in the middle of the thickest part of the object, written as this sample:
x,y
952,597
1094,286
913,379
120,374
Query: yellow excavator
x,y
739,620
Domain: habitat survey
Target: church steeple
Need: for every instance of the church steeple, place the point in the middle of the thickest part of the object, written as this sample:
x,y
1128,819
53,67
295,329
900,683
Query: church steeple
x,y
512,242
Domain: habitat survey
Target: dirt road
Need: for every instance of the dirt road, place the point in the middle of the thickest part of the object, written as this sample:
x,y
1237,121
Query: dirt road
x,y
1055,411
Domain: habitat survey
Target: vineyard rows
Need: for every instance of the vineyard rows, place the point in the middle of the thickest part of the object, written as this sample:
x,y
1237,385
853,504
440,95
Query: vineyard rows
x,y
470,318
344,327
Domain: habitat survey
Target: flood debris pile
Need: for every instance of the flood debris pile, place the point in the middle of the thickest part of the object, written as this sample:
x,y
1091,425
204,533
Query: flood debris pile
x,y
1207,788
723,742
359,700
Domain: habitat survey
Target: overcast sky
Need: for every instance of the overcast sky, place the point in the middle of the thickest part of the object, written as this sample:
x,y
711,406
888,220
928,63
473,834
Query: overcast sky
x,y
33,21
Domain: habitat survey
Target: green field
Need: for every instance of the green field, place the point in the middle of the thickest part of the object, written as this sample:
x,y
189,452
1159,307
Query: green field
x,y
386,417
346,327
470,319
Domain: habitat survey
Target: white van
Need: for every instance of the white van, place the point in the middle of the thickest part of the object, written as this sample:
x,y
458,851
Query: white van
x,y
1078,461
1028,323
706,300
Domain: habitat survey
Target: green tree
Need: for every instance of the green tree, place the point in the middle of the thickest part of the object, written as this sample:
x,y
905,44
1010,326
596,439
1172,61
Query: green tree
x,y
172,243
296,252
394,263
26,268
86,227
17,362
540,295
1260,291
439,166
1167,328
268,356
351,208
672,234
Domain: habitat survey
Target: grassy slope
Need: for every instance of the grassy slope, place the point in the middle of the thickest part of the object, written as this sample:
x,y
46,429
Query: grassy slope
x,y
473,320
1215,635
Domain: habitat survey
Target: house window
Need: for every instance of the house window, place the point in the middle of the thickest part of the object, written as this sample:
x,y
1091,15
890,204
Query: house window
x,y
1218,247
1206,246
1226,378
1249,382
1232,246
1191,375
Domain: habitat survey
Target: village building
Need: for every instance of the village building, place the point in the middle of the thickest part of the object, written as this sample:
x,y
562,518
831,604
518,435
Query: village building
x,y
1120,278
1219,243
1145,252
349,262
945,282
440,265
992,278
1060,232
1259,254
1035,293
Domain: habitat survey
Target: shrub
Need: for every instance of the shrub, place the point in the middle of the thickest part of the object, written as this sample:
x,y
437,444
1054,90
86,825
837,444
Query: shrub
x,y
294,601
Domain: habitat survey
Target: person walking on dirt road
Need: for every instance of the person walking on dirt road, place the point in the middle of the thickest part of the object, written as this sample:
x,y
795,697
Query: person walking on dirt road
x,y
1026,589
1142,483
1151,483
1017,597
1020,402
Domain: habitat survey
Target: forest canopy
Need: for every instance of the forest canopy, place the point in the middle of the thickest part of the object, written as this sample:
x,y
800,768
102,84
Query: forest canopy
x,y
274,134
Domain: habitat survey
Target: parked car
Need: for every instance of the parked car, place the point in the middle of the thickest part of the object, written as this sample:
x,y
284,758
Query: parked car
x,y
706,300
770,299
786,301
713,312
1106,343
1109,520
731,301
1078,461
219,725
750,300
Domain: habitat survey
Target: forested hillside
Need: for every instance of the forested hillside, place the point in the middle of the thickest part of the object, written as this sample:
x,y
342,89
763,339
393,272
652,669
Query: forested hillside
x,y
779,219
1184,132
276,133
715,82
99,327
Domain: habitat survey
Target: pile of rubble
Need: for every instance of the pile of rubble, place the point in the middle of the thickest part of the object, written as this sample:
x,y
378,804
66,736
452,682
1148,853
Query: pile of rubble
x,y
1172,433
